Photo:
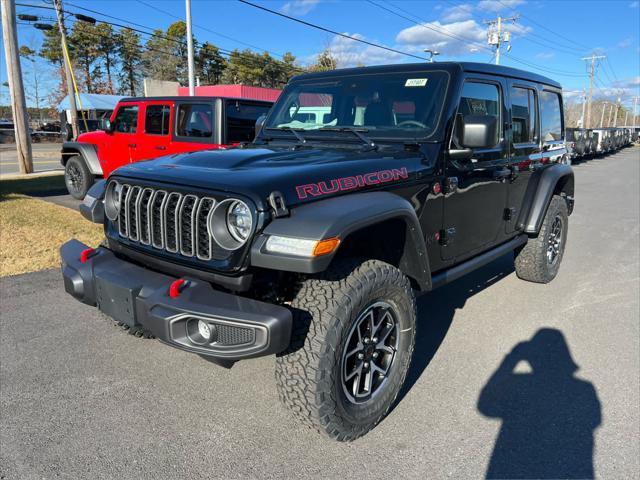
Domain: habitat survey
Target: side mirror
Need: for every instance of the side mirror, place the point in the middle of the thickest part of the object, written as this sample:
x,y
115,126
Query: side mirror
x,y
260,123
106,125
479,131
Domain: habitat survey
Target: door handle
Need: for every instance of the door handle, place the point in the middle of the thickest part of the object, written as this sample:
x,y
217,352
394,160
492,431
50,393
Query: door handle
x,y
132,145
161,147
501,174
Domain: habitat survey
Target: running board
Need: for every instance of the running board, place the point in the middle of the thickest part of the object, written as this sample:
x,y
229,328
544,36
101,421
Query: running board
x,y
474,263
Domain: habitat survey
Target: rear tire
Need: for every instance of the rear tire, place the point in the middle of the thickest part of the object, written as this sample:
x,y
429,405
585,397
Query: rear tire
x,y
353,338
77,177
539,260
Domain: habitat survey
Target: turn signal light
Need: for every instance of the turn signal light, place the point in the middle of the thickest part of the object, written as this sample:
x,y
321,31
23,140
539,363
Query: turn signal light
x,y
324,247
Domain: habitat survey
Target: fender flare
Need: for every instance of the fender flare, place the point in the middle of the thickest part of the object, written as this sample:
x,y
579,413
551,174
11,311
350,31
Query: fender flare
x,y
339,217
558,178
87,151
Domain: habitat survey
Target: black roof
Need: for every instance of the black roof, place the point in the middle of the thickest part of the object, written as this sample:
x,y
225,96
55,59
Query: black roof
x,y
452,67
189,99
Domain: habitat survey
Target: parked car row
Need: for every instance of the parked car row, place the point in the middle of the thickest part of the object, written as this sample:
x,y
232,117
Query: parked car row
x,y
586,142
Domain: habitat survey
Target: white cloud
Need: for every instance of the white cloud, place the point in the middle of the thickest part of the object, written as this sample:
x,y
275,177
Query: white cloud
x,y
349,53
626,43
634,4
455,38
299,7
498,5
545,55
458,13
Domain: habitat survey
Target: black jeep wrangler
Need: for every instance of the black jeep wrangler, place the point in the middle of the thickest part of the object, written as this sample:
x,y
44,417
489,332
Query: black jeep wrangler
x,y
363,187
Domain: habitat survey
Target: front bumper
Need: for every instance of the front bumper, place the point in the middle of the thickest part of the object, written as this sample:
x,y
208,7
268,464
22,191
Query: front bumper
x,y
241,327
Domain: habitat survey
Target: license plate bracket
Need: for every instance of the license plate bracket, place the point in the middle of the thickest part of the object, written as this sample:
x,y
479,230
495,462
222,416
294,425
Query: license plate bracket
x,y
116,297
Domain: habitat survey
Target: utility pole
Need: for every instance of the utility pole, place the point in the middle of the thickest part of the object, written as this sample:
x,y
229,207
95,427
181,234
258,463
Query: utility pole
x,y
16,87
192,88
604,108
496,37
615,115
592,72
610,113
635,101
584,104
67,68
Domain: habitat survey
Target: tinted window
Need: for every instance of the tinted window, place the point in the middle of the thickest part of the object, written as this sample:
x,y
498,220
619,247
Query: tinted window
x,y
523,115
126,120
195,120
241,120
478,99
156,121
386,105
550,117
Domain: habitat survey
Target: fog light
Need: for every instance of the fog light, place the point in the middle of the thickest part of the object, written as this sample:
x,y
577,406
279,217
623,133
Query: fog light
x,y
205,330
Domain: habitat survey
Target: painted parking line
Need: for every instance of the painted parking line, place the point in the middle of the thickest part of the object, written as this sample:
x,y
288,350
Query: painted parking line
x,y
35,162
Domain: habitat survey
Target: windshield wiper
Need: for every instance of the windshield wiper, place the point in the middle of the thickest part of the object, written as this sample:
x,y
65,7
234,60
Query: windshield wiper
x,y
295,131
358,132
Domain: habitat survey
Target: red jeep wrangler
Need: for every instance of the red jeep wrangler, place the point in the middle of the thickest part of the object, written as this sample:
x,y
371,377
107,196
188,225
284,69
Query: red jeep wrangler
x,y
150,127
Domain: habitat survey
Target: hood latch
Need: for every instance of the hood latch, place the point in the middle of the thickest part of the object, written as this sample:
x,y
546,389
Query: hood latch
x,y
276,200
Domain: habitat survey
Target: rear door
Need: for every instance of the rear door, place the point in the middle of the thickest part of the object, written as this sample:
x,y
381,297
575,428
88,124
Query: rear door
x,y
195,126
525,149
476,189
155,133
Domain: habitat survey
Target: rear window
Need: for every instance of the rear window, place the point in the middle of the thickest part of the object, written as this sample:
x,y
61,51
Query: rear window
x,y
523,115
241,120
195,120
156,120
550,116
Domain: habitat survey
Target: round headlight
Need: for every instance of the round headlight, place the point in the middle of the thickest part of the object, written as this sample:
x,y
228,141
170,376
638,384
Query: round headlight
x,y
230,223
112,200
239,221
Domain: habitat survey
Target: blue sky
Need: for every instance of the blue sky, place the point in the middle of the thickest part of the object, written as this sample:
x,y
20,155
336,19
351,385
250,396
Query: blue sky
x,y
550,36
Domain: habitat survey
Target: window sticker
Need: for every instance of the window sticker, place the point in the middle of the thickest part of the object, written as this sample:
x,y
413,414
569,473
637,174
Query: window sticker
x,y
416,82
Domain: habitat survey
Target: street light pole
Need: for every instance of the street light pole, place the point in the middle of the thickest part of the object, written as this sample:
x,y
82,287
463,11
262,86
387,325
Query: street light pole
x,y
190,60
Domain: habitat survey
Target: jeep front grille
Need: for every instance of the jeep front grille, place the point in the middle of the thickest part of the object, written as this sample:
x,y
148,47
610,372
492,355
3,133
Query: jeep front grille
x,y
169,221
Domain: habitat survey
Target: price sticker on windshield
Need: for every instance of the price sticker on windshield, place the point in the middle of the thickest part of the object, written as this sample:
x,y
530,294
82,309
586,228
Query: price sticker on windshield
x,y
416,82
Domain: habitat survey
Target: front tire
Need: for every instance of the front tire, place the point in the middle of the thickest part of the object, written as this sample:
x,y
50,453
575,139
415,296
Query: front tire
x,y
77,177
353,338
539,260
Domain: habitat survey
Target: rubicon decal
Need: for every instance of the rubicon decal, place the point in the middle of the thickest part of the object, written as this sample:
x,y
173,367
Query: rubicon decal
x,y
351,183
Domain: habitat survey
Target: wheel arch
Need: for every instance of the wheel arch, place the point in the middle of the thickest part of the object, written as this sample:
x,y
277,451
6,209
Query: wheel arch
x,y
379,225
554,180
86,151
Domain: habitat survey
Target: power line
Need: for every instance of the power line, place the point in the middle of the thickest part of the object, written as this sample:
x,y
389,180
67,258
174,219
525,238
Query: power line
x,y
328,30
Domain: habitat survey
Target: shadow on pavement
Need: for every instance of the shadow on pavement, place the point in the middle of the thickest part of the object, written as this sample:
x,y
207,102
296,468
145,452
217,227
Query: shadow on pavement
x,y
548,415
436,311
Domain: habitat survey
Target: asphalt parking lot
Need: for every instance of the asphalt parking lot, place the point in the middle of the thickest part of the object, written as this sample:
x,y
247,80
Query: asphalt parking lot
x,y
46,156
81,399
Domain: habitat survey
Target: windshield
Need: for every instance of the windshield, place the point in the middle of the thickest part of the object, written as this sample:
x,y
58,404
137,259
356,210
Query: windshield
x,y
385,105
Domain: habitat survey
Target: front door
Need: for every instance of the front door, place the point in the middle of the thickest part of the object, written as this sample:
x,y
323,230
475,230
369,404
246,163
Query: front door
x,y
155,137
124,137
476,189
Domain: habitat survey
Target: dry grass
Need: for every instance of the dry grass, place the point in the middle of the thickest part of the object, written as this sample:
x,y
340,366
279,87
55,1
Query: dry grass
x,y
31,232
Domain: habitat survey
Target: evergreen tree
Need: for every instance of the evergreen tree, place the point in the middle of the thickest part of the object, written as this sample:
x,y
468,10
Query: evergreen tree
x,y
210,65
129,51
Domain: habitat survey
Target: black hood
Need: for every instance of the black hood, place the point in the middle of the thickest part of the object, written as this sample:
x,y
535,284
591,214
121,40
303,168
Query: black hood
x,y
256,172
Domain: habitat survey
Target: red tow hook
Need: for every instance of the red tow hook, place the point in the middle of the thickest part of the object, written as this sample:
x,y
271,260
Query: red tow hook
x,y
177,287
86,254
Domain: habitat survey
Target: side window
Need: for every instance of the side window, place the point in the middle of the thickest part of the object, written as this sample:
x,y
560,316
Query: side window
x,y
156,119
241,120
550,116
195,120
523,115
478,99
126,120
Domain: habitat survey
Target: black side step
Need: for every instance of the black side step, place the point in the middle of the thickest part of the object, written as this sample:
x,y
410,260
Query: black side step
x,y
454,273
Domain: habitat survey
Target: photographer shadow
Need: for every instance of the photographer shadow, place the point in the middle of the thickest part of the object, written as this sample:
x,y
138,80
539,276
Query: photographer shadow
x,y
548,415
